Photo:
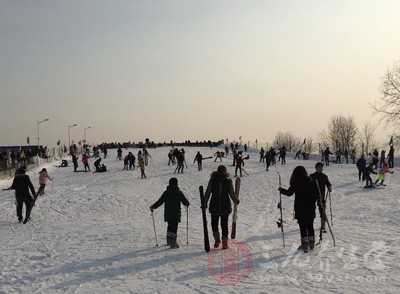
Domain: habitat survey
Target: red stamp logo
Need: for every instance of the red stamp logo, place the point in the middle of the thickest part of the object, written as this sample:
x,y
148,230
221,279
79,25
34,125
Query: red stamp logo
x,y
230,266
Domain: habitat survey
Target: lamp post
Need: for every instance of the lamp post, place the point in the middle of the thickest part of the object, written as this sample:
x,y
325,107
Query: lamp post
x,y
84,133
38,122
69,136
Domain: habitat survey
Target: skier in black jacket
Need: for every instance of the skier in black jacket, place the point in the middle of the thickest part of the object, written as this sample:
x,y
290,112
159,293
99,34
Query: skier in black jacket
x,y
220,188
22,184
323,181
306,195
199,159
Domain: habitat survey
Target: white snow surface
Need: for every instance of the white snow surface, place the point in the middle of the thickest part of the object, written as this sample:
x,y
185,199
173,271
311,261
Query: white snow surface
x,y
93,233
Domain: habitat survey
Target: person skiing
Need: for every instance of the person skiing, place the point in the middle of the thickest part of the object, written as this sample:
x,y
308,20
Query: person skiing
x,y
219,155
239,164
382,158
282,154
22,184
353,156
141,165
171,156
75,161
132,159
268,159
366,174
119,153
262,154
180,159
97,165
85,160
306,195
105,152
323,181
43,178
146,156
172,198
382,172
391,157
325,156
220,189
346,155
361,166
199,159
297,154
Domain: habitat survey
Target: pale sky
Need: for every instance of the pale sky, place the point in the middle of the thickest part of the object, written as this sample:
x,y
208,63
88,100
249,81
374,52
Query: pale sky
x,y
182,70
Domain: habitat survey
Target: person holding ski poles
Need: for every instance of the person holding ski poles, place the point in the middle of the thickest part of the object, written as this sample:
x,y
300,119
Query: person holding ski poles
x,y
239,164
172,198
220,189
306,195
323,181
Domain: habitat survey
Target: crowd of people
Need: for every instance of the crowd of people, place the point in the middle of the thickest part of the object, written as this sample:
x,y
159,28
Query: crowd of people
x,y
309,190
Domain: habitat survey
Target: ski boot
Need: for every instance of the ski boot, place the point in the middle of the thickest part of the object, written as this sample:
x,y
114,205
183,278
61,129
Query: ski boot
x,y
174,244
225,243
217,239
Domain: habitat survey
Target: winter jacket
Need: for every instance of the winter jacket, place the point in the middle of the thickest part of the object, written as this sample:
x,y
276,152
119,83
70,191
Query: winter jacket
x,y
172,197
323,182
221,189
306,195
361,164
85,159
384,170
44,177
369,170
22,184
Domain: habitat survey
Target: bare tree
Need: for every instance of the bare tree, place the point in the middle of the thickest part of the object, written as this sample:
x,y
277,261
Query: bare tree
x,y
287,139
342,132
389,105
367,137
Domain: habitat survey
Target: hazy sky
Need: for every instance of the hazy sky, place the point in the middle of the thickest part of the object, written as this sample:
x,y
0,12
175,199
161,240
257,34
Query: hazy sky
x,y
190,69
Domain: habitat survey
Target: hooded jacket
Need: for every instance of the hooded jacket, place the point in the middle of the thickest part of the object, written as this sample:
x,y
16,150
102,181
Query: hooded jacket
x,y
220,189
22,184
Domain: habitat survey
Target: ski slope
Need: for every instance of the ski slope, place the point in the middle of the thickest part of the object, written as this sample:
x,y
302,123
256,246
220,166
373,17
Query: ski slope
x,y
93,233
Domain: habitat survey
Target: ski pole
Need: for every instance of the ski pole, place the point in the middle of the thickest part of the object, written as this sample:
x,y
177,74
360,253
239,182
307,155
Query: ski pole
x,y
187,225
154,225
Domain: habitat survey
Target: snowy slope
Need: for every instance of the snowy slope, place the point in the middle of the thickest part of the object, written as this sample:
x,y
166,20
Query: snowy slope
x,y
93,233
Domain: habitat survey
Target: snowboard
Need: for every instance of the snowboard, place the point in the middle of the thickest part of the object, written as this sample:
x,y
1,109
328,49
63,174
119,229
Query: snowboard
x,y
203,211
234,217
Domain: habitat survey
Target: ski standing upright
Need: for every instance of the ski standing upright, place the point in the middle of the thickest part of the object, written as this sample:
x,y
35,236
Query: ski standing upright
x,y
280,220
234,217
325,217
203,211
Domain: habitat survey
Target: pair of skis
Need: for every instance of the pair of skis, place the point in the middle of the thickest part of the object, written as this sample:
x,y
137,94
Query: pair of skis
x,y
203,210
324,216
280,221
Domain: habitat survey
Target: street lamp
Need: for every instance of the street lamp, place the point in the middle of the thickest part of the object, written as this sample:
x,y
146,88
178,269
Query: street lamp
x,y
69,136
38,122
84,133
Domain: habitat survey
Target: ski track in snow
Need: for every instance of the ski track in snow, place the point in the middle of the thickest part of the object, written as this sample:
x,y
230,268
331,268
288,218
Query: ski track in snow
x,y
93,233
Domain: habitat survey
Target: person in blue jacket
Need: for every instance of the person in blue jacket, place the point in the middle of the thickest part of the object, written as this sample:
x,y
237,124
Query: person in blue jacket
x,y
361,166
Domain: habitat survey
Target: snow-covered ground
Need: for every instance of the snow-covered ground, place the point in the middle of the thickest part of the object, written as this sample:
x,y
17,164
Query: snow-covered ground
x,y
93,233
